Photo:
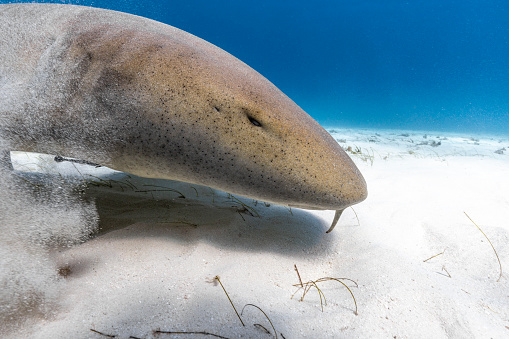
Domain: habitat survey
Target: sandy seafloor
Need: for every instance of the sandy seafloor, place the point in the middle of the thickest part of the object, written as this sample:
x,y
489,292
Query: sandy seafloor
x,y
153,262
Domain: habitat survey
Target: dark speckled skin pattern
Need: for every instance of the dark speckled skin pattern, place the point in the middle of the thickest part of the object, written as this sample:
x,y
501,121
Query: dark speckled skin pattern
x,y
149,99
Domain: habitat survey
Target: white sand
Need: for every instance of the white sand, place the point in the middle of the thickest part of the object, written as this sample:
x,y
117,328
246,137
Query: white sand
x,y
152,267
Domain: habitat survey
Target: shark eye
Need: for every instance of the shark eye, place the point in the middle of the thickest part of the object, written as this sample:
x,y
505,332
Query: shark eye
x,y
255,122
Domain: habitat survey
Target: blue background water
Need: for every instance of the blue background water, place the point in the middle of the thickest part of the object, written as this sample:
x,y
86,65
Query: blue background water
x,y
428,65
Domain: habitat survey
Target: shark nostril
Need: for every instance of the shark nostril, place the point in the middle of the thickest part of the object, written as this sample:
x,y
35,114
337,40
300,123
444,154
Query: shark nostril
x,y
255,122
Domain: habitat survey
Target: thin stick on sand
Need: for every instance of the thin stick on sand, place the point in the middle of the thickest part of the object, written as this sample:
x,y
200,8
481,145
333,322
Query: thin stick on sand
x,y
436,255
356,215
298,274
314,283
183,332
217,277
499,263
266,316
111,335
103,334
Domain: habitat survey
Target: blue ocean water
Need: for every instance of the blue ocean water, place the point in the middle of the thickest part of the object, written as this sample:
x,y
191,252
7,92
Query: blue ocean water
x,y
427,65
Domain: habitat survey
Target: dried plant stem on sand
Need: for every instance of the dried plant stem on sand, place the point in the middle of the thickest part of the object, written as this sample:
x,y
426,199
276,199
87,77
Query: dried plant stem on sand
x,y
256,325
499,263
275,333
183,332
314,283
156,332
436,255
220,283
